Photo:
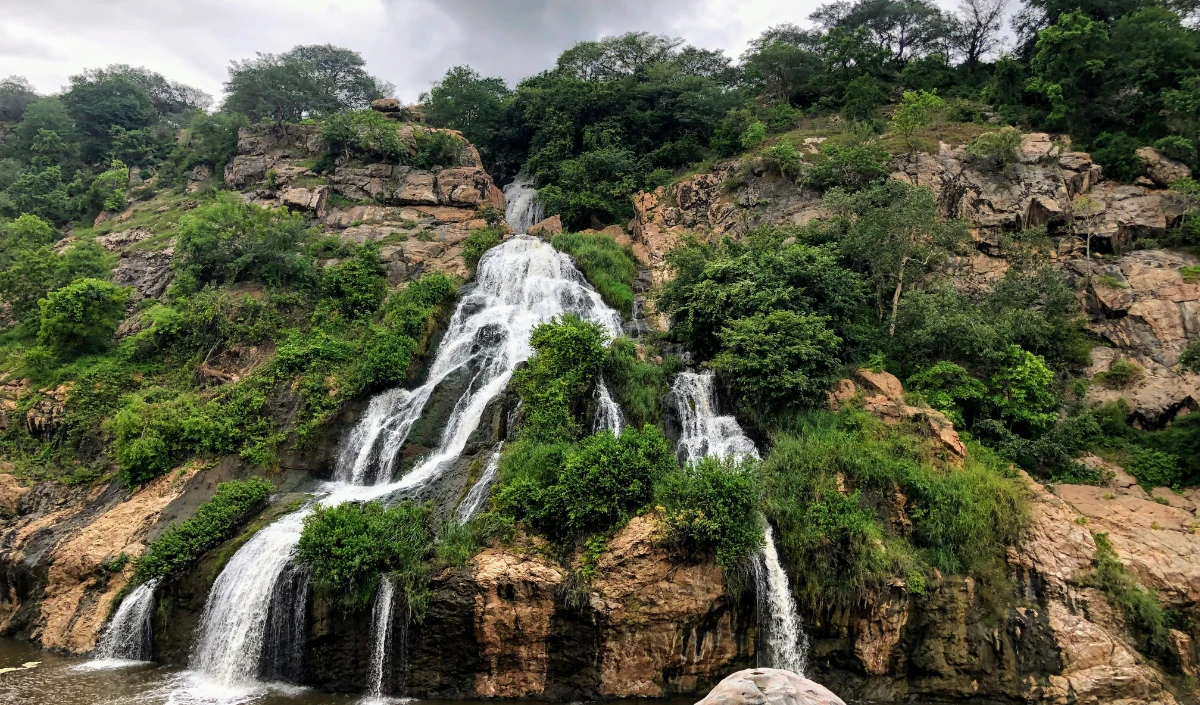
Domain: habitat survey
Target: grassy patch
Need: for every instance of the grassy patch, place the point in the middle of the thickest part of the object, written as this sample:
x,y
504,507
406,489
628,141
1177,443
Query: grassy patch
x,y
1191,273
1145,615
609,267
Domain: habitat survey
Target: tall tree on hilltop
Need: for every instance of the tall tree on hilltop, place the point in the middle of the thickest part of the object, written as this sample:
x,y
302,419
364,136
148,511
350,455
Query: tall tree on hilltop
x,y
308,81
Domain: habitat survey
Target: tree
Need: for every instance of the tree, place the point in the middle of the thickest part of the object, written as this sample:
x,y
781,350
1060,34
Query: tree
x,y
906,29
82,316
780,358
170,99
230,240
100,103
784,62
863,96
308,81
892,232
916,111
16,94
1067,66
469,103
975,29
45,114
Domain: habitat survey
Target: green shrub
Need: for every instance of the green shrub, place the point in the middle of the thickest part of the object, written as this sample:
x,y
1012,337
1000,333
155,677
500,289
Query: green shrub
x,y
862,99
1154,468
609,268
229,240
850,167
916,110
1189,359
1176,147
151,435
1021,392
830,482
357,285
437,148
479,242
1116,152
999,147
566,491
711,509
1145,614
81,317
349,547
948,388
366,134
639,386
215,521
779,359
568,353
1121,373
783,158
754,135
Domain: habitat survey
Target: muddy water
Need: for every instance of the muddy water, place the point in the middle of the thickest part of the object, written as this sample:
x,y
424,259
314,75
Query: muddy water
x,y
62,680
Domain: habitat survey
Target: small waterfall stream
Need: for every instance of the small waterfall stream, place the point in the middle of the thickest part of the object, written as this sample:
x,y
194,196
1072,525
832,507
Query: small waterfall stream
x,y
129,638
381,635
704,433
519,284
608,412
522,208
478,494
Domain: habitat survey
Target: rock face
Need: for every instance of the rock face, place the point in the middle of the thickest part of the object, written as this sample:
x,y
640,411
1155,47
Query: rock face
x,y
420,218
769,686
883,395
1161,169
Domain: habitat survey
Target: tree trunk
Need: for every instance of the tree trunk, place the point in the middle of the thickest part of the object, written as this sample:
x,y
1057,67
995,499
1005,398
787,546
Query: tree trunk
x,y
896,300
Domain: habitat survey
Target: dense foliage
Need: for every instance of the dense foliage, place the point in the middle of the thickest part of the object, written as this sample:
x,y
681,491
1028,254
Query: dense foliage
x,y
215,521
349,547
609,267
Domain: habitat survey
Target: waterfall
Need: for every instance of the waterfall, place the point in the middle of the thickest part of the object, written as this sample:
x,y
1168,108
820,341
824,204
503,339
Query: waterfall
x,y
519,285
249,626
478,495
522,208
381,634
128,638
608,412
703,432
233,629
783,636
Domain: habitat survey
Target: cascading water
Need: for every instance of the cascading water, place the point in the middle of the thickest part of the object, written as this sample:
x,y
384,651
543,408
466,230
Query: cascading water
x,y
785,641
705,433
608,412
381,635
233,630
478,494
519,284
523,208
128,639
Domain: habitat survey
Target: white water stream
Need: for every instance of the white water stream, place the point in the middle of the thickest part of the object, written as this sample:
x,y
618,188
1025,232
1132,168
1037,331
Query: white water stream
x,y
478,494
128,638
381,635
608,412
706,433
520,284
522,208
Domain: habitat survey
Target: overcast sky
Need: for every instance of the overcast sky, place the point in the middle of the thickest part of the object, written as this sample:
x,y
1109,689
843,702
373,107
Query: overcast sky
x,y
409,43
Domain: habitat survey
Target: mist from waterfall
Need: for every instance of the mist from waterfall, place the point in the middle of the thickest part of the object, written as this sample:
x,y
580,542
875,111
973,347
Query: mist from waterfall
x,y
706,433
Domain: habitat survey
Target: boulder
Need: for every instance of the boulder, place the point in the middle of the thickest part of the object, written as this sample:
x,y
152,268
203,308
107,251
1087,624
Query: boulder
x,y
148,272
884,397
122,239
769,686
547,228
386,105
302,199
1161,169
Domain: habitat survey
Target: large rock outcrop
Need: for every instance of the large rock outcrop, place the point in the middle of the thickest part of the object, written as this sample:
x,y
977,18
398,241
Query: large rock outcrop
x,y
420,218
769,686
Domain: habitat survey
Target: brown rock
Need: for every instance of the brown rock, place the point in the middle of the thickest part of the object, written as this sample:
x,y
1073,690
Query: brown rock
x,y
878,629
882,382
120,240
841,393
11,492
1161,169
1162,494
386,105
42,418
769,686
547,228
302,199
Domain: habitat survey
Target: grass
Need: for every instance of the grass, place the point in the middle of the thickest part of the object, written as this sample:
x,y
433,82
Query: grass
x,y
1190,273
1145,614
609,267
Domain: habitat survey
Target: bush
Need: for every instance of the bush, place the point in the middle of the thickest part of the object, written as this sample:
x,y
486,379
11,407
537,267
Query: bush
x,y
830,485
779,359
408,311
437,148
1116,152
948,388
81,317
784,159
1154,468
479,242
152,434
568,353
639,386
1121,373
1021,392
851,167
566,492
215,521
609,268
349,547
998,147
754,135
365,134
357,285
230,240
711,509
